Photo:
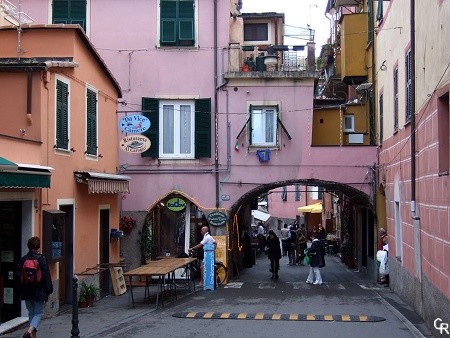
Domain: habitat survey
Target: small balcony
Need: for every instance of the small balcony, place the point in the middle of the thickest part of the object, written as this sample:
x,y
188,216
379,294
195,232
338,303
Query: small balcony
x,y
273,61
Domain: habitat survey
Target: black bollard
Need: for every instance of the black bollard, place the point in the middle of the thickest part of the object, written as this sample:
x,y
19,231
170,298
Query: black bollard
x,y
75,331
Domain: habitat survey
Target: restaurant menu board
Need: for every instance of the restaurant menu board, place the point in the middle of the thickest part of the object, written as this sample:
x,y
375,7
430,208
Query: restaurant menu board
x,y
221,249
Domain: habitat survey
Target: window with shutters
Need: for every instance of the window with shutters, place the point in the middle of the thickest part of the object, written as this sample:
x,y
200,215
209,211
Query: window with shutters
x,y
408,83
179,129
297,192
381,103
70,12
263,126
177,22
91,122
62,114
284,194
395,99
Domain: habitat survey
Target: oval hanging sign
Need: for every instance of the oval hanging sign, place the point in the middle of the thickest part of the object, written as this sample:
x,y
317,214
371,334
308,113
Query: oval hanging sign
x,y
134,124
135,143
176,204
217,218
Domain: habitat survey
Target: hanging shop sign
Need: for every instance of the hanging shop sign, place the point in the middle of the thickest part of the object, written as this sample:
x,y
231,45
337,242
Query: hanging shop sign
x,y
135,143
176,204
217,218
134,124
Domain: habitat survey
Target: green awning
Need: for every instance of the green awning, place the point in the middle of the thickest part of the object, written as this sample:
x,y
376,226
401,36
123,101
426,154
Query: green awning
x,y
7,164
14,175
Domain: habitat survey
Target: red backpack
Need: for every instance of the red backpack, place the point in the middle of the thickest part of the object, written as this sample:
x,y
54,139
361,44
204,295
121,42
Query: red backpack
x,y
31,272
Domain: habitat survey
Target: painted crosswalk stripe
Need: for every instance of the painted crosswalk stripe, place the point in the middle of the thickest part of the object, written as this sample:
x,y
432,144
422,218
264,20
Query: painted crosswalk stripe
x,y
279,316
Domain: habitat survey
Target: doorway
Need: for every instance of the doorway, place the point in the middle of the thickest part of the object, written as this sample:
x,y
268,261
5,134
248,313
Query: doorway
x,y
10,244
104,281
66,265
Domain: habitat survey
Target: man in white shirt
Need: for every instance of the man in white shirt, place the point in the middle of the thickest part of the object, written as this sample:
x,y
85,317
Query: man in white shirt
x,y
207,239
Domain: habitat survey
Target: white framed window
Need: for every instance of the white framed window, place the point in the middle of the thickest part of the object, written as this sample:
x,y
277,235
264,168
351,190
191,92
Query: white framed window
x,y
263,126
349,123
177,126
256,32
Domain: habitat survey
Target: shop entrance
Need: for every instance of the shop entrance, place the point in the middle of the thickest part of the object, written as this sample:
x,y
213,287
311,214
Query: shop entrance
x,y
10,244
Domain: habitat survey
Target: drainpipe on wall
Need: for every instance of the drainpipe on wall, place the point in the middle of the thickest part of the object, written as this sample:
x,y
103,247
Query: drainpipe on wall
x,y
414,215
216,119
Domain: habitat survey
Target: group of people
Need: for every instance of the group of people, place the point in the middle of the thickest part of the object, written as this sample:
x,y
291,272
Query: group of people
x,y
294,245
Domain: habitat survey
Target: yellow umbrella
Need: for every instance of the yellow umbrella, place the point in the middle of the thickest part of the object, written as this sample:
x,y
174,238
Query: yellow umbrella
x,y
312,208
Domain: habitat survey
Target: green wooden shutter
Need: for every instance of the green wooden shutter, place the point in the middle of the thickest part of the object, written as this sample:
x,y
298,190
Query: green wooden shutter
x,y
202,128
91,123
60,11
250,125
150,109
69,12
186,20
168,22
62,115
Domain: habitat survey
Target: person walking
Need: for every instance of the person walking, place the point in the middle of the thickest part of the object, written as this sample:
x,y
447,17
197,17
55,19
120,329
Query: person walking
x,y
274,253
301,246
292,245
284,239
316,253
207,239
35,284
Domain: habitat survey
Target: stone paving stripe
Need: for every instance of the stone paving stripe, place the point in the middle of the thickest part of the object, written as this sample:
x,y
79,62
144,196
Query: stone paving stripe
x,y
279,316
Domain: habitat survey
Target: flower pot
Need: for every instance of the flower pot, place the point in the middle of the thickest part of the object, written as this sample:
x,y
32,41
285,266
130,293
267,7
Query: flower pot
x,y
82,304
90,301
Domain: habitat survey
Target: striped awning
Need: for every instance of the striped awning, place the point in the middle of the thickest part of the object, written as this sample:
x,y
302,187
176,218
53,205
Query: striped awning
x,y
101,183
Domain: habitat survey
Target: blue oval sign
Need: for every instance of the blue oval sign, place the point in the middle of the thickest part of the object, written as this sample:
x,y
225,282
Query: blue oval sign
x,y
134,124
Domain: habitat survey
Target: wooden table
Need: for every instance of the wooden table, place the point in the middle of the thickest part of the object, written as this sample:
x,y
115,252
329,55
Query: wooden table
x,y
164,269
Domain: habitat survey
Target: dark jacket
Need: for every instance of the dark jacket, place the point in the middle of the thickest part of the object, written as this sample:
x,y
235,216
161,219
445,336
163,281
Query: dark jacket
x,y
41,291
274,249
316,254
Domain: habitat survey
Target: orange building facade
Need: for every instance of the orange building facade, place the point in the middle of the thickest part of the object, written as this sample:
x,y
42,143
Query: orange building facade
x,y
58,160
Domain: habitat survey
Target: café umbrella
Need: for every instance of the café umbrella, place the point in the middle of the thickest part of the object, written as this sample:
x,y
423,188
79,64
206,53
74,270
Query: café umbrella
x,y
315,208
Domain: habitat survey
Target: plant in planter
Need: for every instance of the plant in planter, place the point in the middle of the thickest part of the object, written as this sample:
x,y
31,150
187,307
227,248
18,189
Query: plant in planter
x,y
127,224
146,241
89,293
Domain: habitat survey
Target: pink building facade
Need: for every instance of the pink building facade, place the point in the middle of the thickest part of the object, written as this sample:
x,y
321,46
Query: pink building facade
x,y
221,133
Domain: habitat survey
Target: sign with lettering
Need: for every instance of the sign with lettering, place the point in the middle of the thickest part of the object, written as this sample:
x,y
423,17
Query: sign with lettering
x,y
217,218
135,143
134,124
176,204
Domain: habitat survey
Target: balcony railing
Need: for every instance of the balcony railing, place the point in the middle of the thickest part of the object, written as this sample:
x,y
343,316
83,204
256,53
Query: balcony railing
x,y
267,61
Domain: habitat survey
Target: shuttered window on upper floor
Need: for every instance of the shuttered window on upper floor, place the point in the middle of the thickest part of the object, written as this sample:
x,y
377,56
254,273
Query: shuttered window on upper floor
x,y
62,115
91,122
177,23
69,12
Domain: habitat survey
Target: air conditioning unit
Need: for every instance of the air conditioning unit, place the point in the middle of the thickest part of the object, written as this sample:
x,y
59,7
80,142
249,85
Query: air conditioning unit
x,y
356,138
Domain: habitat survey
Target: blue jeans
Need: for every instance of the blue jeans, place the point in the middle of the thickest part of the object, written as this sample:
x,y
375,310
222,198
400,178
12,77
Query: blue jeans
x,y
35,311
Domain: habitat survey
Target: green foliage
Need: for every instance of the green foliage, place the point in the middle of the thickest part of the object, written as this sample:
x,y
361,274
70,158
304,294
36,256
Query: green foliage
x,y
88,290
146,241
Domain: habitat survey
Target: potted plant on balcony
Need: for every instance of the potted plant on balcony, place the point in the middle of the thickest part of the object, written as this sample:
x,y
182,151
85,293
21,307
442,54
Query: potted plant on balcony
x,y
127,224
88,294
